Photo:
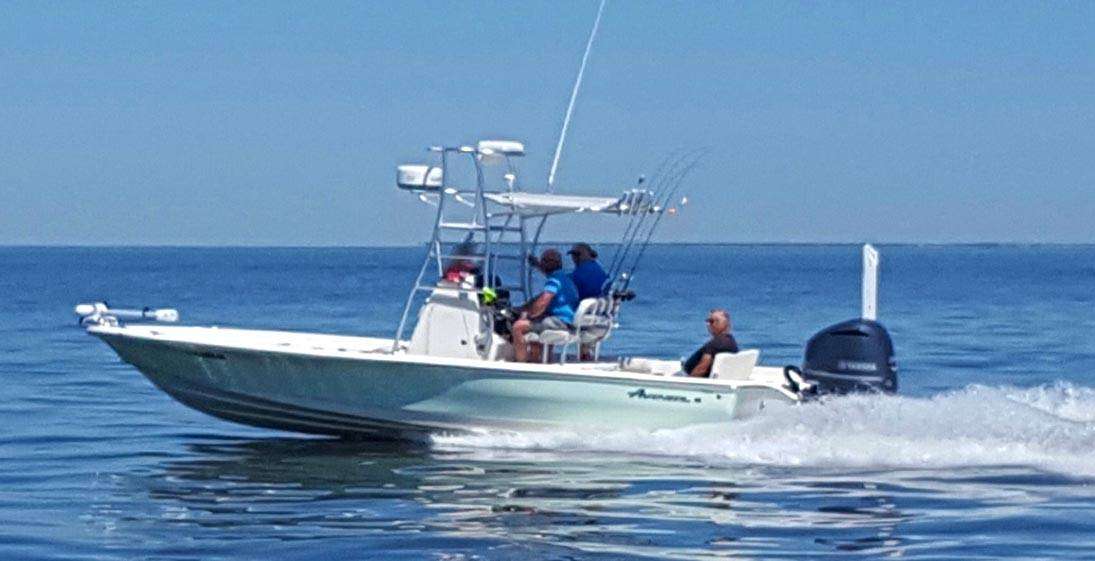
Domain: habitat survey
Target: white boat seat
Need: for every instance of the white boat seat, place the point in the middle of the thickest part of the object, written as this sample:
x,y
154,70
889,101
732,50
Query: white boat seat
x,y
553,338
735,366
593,322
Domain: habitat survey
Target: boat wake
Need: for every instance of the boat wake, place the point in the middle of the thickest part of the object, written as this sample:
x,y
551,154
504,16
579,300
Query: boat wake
x,y
1047,427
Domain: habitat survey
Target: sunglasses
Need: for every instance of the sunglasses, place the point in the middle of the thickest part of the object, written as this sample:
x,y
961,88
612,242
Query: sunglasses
x,y
711,320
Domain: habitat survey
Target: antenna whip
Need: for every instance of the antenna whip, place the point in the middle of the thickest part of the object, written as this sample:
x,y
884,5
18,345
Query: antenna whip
x,y
573,97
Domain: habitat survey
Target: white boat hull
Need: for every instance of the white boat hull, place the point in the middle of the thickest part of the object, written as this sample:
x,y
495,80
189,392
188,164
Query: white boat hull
x,y
347,386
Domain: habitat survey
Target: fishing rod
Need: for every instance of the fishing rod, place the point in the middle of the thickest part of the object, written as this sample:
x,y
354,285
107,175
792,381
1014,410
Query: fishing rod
x,y
661,207
669,197
666,202
671,180
633,214
639,214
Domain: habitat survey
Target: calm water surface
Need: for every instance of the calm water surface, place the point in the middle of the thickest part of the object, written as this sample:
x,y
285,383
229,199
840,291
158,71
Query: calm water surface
x,y
988,453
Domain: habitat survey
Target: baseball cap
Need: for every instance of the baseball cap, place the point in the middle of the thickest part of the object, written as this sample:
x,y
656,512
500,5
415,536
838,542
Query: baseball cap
x,y
582,247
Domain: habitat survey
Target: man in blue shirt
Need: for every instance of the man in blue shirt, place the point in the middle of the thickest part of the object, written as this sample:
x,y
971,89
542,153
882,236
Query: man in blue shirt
x,y
551,309
588,275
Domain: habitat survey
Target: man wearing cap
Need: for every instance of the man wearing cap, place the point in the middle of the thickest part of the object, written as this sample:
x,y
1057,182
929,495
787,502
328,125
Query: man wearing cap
x,y
588,274
551,309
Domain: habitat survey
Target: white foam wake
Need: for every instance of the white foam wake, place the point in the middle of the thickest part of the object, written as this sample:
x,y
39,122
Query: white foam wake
x,y
1048,427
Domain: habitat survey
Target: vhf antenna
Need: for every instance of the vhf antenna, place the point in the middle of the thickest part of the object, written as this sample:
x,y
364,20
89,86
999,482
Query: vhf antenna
x,y
573,98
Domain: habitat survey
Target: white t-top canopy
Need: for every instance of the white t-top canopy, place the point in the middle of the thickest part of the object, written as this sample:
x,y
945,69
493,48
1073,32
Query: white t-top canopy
x,y
550,203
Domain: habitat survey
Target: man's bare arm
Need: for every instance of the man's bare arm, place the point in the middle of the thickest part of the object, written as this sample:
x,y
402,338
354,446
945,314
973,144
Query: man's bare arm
x,y
537,307
703,368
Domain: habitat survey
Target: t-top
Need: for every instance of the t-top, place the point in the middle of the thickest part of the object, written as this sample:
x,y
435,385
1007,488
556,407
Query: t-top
x,y
565,300
721,343
590,279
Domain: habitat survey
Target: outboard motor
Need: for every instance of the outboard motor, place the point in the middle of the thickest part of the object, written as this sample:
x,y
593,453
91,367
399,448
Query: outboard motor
x,y
851,356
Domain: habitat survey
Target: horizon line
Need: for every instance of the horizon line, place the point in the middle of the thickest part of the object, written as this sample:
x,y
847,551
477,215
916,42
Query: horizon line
x,y
556,242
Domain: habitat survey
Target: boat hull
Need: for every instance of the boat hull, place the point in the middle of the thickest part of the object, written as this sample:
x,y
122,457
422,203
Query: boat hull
x,y
403,396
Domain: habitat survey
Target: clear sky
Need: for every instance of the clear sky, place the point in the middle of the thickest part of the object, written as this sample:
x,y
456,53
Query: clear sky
x,y
276,123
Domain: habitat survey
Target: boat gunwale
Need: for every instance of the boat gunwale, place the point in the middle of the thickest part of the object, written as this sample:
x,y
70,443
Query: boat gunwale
x,y
576,370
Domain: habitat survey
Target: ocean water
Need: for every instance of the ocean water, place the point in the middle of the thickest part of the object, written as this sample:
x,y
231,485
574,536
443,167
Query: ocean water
x,y
988,452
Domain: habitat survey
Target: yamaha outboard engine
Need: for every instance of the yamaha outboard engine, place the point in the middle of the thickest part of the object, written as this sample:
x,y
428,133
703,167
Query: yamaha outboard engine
x,y
851,356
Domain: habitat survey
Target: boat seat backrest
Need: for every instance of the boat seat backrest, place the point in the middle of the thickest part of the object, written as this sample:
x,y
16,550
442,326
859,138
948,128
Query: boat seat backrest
x,y
594,319
735,366
593,322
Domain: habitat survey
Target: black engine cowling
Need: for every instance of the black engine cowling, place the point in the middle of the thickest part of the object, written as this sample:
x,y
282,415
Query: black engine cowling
x,y
851,356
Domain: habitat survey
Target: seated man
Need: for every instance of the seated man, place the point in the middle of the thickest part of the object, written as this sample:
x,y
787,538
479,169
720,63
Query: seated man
x,y
590,279
718,324
551,309
464,264
588,275
460,267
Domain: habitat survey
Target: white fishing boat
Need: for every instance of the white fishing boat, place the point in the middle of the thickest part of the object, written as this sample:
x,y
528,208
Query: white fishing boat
x,y
455,371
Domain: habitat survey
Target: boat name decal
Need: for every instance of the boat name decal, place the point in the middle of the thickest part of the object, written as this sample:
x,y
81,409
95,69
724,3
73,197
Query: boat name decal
x,y
641,393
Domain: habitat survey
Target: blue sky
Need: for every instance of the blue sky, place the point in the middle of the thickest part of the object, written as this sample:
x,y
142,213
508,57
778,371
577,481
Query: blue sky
x,y
272,123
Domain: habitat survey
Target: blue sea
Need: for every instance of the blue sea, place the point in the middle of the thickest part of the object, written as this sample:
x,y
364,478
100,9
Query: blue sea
x,y
987,452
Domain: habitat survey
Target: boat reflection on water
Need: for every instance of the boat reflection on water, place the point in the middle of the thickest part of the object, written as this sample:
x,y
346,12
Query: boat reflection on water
x,y
397,496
